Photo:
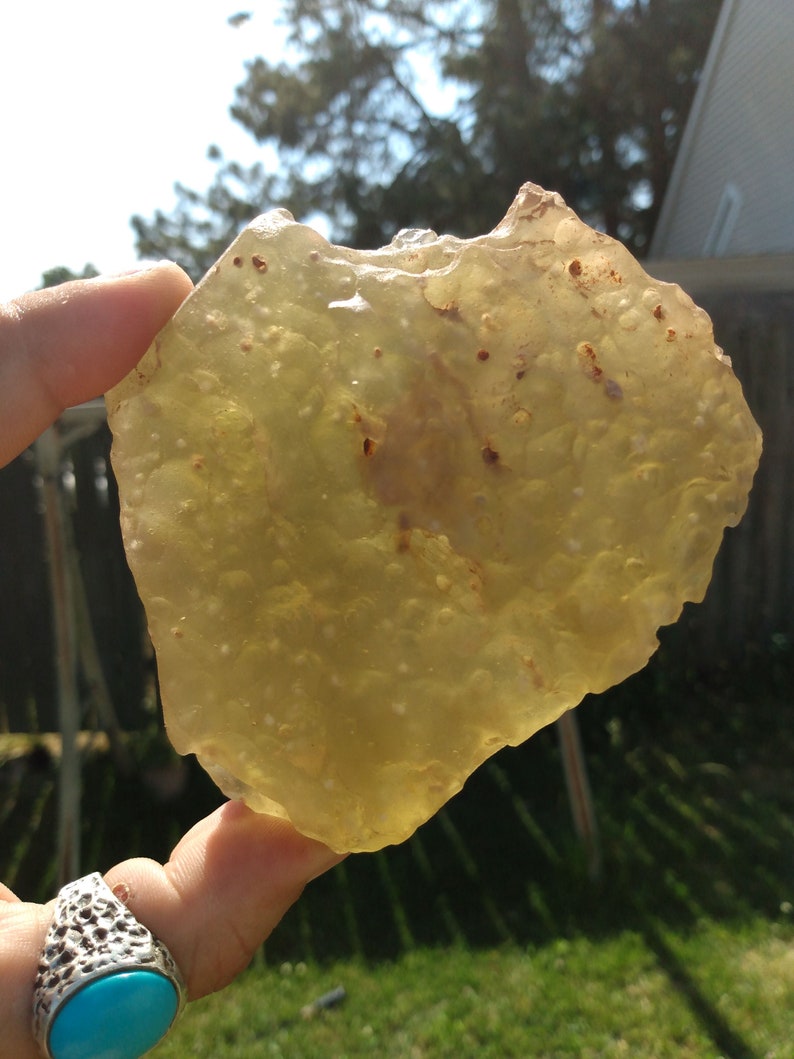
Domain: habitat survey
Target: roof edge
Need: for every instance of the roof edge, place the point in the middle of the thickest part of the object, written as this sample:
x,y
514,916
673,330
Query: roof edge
x,y
758,273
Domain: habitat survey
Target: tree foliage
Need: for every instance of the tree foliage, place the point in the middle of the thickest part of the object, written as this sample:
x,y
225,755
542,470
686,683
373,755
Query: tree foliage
x,y
53,277
431,113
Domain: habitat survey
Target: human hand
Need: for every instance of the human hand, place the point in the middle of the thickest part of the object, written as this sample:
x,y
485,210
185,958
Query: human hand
x,y
68,344
233,876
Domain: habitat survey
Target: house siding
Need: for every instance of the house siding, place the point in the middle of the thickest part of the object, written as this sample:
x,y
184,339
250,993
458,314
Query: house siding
x,y
740,133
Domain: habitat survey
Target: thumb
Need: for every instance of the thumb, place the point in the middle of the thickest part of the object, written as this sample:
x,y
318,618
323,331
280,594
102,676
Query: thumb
x,y
68,344
227,884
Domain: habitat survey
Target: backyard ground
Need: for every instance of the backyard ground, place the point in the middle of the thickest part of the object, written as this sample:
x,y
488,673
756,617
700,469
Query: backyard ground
x,y
484,935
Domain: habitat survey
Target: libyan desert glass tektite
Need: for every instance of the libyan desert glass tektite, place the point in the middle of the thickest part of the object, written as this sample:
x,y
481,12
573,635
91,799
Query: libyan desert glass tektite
x,y
391,510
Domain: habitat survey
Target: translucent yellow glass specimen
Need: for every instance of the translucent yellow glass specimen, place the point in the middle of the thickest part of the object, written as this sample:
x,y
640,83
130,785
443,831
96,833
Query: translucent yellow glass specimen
x,y
391,510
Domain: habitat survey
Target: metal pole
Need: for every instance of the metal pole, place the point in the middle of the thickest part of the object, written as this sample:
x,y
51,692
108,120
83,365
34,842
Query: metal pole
x,y
579,793
48,458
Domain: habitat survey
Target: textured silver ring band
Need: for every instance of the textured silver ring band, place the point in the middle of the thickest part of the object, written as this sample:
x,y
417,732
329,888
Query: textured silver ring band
x,y
105,983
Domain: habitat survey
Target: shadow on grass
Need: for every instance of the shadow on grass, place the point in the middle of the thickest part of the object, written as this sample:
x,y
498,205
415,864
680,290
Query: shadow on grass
x,y
727,1042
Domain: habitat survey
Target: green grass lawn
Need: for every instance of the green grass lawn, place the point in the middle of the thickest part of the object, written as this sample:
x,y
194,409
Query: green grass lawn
x,y
483,935
717,990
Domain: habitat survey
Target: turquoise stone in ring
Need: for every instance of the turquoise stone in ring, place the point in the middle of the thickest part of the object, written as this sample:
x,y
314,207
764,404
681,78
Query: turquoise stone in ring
x,y
106,987
121,1016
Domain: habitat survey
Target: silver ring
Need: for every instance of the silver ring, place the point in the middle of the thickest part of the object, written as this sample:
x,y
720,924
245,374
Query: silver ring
x,y
104,980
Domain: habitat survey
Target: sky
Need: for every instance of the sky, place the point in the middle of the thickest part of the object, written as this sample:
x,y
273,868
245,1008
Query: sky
x,y
103,106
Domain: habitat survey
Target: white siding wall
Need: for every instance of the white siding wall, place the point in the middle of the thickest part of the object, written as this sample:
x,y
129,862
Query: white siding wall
x,y
740,136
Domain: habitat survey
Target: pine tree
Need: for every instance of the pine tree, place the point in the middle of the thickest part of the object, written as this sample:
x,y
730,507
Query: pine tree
x,y
587,98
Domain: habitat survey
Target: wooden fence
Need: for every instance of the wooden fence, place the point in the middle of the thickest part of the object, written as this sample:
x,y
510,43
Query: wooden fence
x,y
750,603
749,606
27,678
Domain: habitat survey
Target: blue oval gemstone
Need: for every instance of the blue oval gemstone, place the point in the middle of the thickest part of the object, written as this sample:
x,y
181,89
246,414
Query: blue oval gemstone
x,y
121,1016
